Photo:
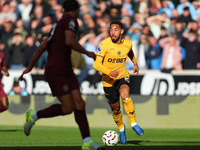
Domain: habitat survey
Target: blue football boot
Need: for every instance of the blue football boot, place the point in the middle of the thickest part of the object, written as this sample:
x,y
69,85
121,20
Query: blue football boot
x,y
138,130
122,135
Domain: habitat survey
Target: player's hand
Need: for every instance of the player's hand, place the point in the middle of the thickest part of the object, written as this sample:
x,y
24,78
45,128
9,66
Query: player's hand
x,y
7,74
91,55
136,69
27,70
114,73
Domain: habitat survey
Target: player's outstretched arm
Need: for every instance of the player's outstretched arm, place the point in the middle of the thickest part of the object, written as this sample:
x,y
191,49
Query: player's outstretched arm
x,y
35,57
97,64
132,57
71,41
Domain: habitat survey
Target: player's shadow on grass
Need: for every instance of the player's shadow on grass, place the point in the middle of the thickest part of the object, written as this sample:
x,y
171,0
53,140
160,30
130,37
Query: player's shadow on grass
x,y
187,143
11,130
118,147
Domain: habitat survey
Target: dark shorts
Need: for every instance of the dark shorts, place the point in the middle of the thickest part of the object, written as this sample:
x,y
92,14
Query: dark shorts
x,y
2,93
61,84
112,93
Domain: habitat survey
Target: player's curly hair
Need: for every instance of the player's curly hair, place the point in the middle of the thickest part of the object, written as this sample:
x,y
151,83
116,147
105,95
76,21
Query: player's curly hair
x,y
70,5
117,22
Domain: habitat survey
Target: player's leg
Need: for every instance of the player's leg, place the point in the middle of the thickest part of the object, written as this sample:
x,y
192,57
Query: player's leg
x,y
3,103
129,107
112,96
66,107
117,116
81,120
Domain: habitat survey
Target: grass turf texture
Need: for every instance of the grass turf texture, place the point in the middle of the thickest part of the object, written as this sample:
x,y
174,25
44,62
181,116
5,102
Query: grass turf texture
x,y
68,138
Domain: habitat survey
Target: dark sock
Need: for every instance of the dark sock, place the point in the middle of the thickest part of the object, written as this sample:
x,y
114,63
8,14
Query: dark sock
x,y
81,120
52,111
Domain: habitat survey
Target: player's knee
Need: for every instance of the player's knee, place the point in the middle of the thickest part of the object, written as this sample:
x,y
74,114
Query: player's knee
x,y
67,110
125,97
116,111
80,104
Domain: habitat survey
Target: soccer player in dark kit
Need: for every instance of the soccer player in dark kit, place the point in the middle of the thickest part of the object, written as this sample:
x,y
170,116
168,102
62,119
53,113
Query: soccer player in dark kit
x,y
3,97
60,76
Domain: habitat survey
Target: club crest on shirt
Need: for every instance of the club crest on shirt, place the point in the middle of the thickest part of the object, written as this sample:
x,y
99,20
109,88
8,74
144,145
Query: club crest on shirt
x,y
99,50
72,25
119,53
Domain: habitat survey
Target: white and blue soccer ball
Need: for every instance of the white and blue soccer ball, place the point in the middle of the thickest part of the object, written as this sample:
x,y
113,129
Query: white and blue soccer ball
x,y
110,138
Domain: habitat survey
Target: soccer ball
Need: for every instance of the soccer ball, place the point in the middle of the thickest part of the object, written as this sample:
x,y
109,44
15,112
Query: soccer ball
x,y
110,138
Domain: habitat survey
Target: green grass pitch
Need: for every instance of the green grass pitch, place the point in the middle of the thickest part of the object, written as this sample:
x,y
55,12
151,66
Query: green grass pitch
x,y
68,138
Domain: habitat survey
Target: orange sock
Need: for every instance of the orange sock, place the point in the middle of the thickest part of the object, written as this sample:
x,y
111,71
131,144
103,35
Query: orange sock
x,y
118,120
129,109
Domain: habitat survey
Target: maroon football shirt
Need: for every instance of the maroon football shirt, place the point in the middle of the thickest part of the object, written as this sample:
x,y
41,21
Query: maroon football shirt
x,y
59,54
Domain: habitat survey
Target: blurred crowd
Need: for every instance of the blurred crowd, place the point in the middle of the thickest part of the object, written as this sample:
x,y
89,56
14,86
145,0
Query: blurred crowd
x,y
165,33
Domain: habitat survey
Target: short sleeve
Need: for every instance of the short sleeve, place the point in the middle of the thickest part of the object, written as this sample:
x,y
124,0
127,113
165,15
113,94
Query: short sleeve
x,y
71,24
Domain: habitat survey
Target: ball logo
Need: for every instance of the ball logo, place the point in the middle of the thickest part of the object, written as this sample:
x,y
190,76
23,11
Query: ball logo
x,y
157,84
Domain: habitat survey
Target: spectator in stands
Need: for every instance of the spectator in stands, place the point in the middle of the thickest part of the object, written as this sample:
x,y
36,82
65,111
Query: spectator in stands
x,y
179,29
154,54
142,49
2,2
175,13
37,4
126,21
124,12
20,25
87,6
5,50
7,32
29,50
154,6
163,33
172,28
167,7
146,30
134,32
14,9
114,9
192,59
25,8
127,4
186,4
140,6
37,13
185,17
17,52
155,23
88,43
196,5
58,13
11,16
138,20
172,56
88,24
193,27
43,58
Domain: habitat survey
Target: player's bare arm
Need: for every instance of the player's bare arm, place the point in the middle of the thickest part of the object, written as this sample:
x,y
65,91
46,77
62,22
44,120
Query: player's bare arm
x,y
35,57
6,71
71,41
133,59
